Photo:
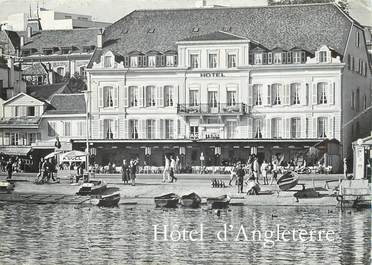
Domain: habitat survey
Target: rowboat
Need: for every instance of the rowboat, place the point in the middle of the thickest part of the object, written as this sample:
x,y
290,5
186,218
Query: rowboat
x,y
6,187
110,200
191,200
288,181
169,200
220,202
92,187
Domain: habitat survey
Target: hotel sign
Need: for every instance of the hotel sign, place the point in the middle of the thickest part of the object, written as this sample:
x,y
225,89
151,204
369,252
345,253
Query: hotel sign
x,y
212,74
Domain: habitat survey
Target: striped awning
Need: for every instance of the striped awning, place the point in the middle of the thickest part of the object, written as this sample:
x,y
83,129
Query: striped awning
x,y
15,150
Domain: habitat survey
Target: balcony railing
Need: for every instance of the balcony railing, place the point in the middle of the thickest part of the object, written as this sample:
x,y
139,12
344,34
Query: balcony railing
x,y
219,108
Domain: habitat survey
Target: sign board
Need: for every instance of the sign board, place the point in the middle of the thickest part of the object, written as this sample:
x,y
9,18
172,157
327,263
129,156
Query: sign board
x,y
359,163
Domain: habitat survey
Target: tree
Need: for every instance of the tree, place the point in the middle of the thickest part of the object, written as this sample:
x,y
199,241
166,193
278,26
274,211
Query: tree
x,y
343,4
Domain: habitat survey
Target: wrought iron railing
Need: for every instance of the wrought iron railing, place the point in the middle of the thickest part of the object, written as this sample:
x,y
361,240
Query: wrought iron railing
x,y
219,108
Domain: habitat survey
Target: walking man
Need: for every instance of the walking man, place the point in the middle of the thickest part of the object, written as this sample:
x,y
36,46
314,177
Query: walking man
x,y
172,169
9,169
240,173
133,170
202,163
345,168
256,169
166,169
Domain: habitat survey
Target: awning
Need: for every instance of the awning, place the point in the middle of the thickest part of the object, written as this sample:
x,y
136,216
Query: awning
x,y
15,150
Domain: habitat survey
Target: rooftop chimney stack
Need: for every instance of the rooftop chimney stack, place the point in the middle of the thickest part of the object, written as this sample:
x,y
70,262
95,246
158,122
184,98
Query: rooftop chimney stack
x,y
201,3
29,32
11,72
99,40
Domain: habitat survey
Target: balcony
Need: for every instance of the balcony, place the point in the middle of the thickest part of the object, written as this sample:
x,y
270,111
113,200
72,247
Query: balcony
x,y
219,108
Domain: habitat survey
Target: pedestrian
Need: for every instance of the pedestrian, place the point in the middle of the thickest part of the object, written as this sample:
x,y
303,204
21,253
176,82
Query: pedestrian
x,y
9,169
44,170
172,169
202,158
79,173
133,170
240,173
232,174
345,168
275,173
264,168
166,169
125,172
51,169
256,169
178,169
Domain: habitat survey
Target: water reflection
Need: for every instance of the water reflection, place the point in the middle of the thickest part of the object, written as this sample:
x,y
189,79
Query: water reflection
x,y
55,234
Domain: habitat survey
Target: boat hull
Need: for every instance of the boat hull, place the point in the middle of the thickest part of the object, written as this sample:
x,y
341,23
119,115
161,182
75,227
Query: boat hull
x,y
191,200
288,181
221,202
167,201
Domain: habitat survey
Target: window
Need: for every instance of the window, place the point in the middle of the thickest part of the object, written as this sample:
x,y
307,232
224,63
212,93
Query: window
x,y
169,130
31,138
357,39
212,99
150,96
276,130
107,61
39,80
67,128
322,93
61,71
133,127
51,129
352,102
194,97
150,129
133,96
194,60
108,96
133,61
231,129
152,61
322,127
296,57
257,95
108,129
30,111
65,50
258,128
348,62
231,98
212,60
323,56
364,102
48,51
357,100
168,96
258,58
169,60
269,58
295,128
231,60
194,132
276,91
277,58
295,93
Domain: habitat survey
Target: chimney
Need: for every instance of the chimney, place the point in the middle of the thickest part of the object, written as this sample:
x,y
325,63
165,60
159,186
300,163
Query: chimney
x,y
11,80
29,32
99,40
22,41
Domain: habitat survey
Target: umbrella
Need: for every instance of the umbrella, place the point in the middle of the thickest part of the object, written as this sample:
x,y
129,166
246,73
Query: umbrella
x,y
52,155
72,155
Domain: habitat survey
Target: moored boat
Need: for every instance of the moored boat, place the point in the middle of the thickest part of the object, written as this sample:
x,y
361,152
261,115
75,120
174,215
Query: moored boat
x,y
288,181
169,200
191,200
92,187
6,187
110,200
220,202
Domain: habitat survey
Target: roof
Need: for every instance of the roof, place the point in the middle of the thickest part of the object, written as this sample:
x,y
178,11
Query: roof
x,y
10,37
67,104
36,69
77,38
218,35
46,92
287,26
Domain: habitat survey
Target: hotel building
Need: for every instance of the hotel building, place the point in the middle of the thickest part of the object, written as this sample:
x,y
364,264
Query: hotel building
x,y
229,82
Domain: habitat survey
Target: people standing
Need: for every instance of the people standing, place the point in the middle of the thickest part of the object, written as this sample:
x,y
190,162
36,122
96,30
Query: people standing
x,y
264,168
275,172
79,172
202,158
240,173
166,169
51,169
345,168
256,169
133,170
125,171
172,169
9,169
178,169
232,174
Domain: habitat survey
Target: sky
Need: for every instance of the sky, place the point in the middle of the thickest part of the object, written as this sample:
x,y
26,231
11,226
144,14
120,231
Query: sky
x,y
112,10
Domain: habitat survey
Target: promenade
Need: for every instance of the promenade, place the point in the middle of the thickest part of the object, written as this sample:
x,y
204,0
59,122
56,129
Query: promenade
x,y
151,185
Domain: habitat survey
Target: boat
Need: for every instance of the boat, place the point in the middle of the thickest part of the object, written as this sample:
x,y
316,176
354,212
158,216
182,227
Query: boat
x,y
288,181
169,200
355,193
110,200
6,187
191,200
220,202
92,187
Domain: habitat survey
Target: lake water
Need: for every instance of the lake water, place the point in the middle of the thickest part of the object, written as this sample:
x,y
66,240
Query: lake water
x,y
68,234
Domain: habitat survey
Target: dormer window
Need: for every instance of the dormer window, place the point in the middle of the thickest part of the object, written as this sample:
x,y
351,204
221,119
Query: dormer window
x,y
151,30
152,61
323,56
87,49
65,50
133,61
170,60
296,57
47,51
107,61
277,58
258,58
196,29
